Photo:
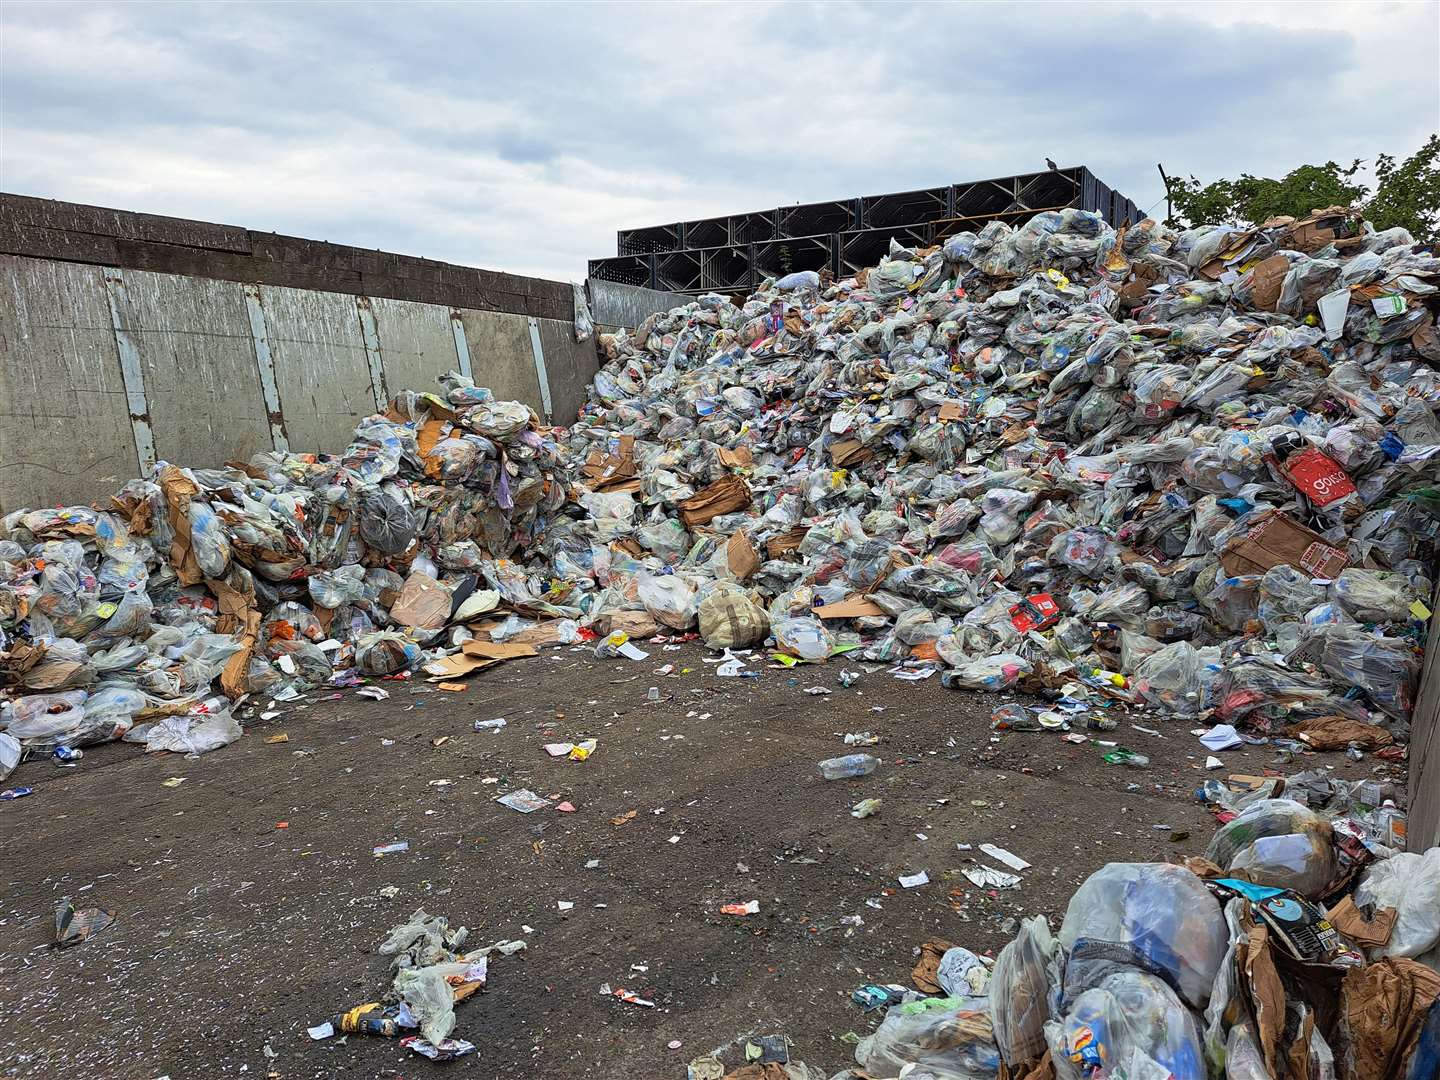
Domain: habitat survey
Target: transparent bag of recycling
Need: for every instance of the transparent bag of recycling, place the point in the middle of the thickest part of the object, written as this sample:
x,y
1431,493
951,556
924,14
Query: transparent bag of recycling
x,y
1172,679
192,733
331,588
999,671
1280,843
1131,1016
1086,549
310,664
1384,668
498,420
1286,594
49,719
944,1038
1372,596
1020,992
289,620
669,598
1154,917
208,541
385,652
804,637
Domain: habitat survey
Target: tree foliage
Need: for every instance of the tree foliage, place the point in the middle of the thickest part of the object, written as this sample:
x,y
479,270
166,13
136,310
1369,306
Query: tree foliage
x,y
1406,193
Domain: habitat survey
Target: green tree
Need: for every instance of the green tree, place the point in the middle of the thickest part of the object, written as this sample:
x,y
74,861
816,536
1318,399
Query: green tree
x,y
1406,194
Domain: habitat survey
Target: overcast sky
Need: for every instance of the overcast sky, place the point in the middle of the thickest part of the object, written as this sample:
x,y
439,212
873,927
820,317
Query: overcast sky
x,y
520,137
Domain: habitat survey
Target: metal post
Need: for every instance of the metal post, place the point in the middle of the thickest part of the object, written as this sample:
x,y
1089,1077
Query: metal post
x,y
131,371
541,375
370,336
265,365
462,346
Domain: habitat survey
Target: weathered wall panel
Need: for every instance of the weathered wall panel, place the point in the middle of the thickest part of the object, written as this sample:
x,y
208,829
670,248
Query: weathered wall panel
x,y
613,304
64,426
500,355
1422,826
198,357
417,343
571,365
320,367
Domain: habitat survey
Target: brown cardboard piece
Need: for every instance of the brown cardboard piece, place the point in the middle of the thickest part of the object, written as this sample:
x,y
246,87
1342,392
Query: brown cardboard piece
x,y
178,490
928,966
498,650
951,410
611,472
779,546
847,452
456,667
739,457
1383,1008
1338,732
1266,277
740,556
1260,982
423,602
852,607
239,613
724,496
1275,539
1372,933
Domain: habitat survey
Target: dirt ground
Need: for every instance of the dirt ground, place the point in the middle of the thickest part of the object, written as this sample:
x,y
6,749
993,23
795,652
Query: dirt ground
x,y
235,935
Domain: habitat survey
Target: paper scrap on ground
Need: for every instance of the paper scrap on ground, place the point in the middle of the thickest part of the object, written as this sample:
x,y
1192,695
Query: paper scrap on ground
x,y
985,877
1001,855
914,881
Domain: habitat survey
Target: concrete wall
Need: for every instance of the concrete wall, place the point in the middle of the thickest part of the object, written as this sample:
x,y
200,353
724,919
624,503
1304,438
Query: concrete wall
x,y
128,338
1422,824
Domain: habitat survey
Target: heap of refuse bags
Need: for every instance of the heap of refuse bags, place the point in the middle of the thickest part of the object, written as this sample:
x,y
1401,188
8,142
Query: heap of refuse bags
x,y
1298,948
1194,470
1188,469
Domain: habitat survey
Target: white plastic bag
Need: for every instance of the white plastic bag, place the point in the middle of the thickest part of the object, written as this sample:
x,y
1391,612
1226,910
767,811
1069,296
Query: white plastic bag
x,y
193,734
1409,883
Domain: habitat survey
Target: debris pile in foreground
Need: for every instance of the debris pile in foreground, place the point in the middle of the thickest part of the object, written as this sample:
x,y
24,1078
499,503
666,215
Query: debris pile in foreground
x,y
1299,947
1190,469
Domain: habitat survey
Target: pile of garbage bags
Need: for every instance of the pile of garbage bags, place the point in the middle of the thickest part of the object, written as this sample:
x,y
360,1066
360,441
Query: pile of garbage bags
x,y
274,577
1192,469
1298,948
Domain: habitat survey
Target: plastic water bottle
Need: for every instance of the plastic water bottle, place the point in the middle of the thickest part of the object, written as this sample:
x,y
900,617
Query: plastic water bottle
x,y
490,725
837,768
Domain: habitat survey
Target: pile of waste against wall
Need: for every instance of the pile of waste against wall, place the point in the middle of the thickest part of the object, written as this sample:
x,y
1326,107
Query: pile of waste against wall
x,y
1194,470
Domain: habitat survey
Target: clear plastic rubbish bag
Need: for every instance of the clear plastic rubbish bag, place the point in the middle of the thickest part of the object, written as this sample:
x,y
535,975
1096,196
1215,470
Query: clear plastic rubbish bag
x,y
1152,917
1130,1017
944,1038
1020,992
804,637
1280,843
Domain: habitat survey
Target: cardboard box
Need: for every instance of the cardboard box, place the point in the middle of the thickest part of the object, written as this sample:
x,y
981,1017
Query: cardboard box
x,y
1276,538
